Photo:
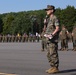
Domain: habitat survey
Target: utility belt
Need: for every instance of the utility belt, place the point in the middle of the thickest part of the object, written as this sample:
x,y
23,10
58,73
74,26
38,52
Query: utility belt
x,y
48,41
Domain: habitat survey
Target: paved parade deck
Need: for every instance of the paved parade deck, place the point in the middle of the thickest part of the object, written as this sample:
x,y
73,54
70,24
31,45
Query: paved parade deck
x,y
27,59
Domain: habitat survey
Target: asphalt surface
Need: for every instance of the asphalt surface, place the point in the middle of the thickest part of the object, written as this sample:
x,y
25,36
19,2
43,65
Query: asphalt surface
x,y
27,59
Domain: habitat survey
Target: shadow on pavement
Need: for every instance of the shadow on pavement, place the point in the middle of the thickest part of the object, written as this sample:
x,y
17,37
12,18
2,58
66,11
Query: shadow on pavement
x,y
67,71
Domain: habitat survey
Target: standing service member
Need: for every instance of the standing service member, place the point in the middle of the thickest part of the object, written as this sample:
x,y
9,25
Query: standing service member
x,y
51,26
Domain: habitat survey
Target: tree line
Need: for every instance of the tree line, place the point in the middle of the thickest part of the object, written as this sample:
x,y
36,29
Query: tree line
x,y
32,21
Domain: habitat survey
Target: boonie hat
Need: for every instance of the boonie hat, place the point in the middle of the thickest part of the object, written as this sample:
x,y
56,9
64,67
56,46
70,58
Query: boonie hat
x,y
50,7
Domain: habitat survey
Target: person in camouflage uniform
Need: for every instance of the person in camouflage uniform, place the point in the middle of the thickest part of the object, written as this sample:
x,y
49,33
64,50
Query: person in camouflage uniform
x,y
6,38
64,38
3,38
30,37
12,38
74,38
33,38
51,25
23,37
0,38
26,38
43,43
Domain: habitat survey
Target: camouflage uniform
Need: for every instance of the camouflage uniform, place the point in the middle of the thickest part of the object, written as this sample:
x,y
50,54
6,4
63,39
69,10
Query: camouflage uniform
x,y
6,38
64,39
23,38
52,46
9,37
70,37
30,37
0,38
26,38
33,38
13,38
43,43
3,38
74,38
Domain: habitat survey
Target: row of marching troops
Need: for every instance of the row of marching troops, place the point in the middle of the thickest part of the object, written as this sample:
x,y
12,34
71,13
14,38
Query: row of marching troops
x,y
19,38
64,38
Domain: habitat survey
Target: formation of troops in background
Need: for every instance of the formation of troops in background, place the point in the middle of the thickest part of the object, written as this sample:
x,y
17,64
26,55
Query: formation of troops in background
x,y
64,38
19,38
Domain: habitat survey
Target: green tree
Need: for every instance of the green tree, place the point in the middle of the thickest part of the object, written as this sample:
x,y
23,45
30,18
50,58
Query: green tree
x,y
21,24
68,17
7,20
1,25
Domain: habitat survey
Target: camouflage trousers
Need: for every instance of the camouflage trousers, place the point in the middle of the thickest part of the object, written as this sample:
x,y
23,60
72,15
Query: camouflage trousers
x,y
44,44
74,44
52,54
64,43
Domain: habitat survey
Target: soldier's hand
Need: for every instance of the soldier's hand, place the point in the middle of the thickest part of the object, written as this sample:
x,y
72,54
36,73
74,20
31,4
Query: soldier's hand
x,y
48,36
45,35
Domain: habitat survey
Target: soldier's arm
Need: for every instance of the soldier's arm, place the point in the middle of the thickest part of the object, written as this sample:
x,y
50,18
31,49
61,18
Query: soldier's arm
x,y
72,33
56,30
45,24
67,31
60,33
